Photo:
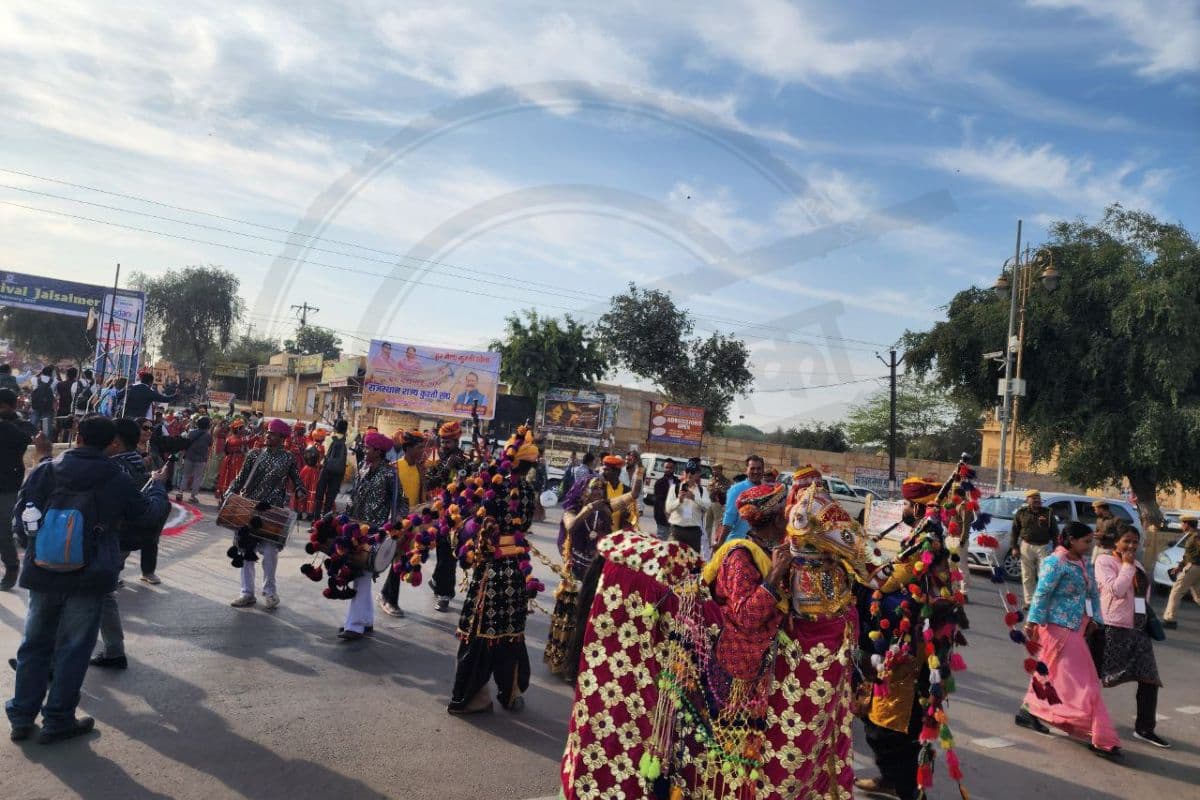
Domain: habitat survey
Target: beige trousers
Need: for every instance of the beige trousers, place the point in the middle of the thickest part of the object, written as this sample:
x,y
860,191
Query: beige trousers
x,y
1032,556
1188,579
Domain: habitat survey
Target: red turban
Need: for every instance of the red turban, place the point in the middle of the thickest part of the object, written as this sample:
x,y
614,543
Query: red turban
x,y
758,504
278,426
407,438
451,430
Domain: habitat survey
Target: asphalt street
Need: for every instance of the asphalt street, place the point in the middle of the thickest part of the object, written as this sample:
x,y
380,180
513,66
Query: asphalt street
x,y
228,703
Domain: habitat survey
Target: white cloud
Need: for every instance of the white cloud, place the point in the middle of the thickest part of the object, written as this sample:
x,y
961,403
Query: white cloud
x,y
783,41
1165,34
1042,171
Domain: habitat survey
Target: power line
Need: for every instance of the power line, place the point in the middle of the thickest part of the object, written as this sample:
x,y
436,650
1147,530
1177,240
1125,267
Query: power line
x,y
463,271
825,386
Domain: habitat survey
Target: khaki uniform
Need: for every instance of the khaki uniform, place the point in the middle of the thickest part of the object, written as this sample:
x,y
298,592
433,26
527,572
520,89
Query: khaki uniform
x,y
1034,532
1188,579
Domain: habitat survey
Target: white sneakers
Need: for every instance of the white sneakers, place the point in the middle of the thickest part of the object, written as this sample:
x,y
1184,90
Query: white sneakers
x,y
270,601
151,579
243,601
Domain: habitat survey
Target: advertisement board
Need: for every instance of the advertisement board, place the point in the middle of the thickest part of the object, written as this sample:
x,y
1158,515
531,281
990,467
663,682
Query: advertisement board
x,y
574,412
221,398
230,370
876,479
345,367
49,294
271,370
308,365
119,333
671,423
432,381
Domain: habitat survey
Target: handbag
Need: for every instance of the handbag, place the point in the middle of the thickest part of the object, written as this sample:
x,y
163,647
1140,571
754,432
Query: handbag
x,y
1154,626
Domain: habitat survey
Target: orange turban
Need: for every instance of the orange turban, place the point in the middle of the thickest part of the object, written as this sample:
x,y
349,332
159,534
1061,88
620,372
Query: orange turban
x,y
451,430
613,461
919,490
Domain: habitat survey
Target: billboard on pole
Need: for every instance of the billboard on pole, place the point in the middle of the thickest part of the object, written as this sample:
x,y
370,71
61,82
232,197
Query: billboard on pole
x,y
671,423
434,381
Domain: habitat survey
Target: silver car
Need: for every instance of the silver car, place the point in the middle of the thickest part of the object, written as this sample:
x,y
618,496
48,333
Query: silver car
x,y
1065,507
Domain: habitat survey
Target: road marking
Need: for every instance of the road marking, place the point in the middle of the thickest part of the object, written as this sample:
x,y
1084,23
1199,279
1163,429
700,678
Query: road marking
x,y
993,742
1188,709
1161,717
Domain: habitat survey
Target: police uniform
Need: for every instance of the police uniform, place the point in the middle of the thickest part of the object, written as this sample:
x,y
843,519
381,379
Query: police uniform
x,y
1188,577
1034,534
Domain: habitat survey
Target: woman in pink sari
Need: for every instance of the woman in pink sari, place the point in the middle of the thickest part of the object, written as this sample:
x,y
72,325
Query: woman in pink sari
x,y
1065,607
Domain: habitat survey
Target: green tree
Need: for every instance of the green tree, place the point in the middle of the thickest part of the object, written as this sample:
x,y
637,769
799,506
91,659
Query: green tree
x,y
50,336
930,423
191,313
1111,359
251,350
830,437
315,339
539,352
646,333
742,431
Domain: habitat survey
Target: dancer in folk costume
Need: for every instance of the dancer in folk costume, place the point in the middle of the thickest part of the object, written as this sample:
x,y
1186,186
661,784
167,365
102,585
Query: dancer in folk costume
x,y
265,476
310,473
297,442
234,455
449,464
376,501
495,549
730,682
587,518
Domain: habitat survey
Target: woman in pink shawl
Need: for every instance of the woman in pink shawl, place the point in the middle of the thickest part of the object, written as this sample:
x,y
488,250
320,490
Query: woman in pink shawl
x,y
1065,607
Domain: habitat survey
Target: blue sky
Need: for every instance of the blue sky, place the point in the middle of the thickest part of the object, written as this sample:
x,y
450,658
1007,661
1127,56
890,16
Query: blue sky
x,y
817,177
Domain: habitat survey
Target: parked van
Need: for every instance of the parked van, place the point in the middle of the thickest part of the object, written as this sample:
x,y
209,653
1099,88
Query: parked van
x,y
653,464
1065,507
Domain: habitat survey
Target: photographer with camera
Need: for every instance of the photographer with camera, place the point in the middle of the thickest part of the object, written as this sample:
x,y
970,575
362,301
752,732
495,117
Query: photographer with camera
x,y
687,505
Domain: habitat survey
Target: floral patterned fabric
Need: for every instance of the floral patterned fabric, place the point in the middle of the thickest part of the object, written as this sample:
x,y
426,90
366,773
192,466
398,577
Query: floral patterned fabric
x,y
1065,585
805,752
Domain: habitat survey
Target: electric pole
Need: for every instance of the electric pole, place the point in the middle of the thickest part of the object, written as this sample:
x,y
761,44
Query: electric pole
x,y
304,309
891,365
1009,348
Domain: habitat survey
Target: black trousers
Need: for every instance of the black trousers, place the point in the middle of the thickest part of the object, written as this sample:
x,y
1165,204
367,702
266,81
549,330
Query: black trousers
x,y
896,756
480,659
391,588
444,573
149,555
688,535
327,491
1147,708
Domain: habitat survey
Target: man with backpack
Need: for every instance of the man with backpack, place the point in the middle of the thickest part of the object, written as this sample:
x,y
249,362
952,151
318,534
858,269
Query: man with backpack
x,y
81,395
15,436
42,401
333,472
72,561
124,453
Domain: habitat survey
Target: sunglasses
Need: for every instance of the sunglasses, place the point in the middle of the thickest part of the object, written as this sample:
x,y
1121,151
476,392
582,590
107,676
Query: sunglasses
x,y
147,428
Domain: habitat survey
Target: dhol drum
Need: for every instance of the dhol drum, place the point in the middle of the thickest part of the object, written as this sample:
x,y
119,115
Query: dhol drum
x,y
270,524
383,553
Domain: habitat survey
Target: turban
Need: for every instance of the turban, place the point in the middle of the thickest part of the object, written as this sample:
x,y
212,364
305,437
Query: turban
x,y
299,426
407,438
758,504
451,430
1033,493
237,423
319,435
522,446
378,441
614,461
278,426
920,491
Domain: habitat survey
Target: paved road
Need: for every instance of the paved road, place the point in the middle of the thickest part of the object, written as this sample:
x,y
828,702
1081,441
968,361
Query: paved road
x,y
227,703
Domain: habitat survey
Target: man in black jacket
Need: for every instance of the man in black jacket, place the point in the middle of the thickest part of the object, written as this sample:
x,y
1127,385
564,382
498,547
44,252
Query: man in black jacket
x,y
15,436
123,452
64,607
138,398
333,470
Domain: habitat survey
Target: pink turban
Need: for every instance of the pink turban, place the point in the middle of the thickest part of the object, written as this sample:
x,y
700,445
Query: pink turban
x,y
378,441
279,426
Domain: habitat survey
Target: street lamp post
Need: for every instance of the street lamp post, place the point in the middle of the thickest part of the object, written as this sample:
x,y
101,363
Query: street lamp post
x,y
1017,283
1006,408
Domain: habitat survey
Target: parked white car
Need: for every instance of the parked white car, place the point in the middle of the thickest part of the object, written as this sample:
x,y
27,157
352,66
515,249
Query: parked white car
x,y
1065,507
1168,559
653,464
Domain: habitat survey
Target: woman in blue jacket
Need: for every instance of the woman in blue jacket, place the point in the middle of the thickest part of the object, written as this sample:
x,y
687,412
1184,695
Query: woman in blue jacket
x,y
1066,605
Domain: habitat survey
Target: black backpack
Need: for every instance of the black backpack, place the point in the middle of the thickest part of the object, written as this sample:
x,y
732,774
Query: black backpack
x,y
83,396
41,399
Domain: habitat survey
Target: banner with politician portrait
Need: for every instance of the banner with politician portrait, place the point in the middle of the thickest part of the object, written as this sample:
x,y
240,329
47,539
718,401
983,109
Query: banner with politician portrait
x,y
431,381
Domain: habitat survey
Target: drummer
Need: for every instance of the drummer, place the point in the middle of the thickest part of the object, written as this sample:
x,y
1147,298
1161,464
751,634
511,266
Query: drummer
x,y
263,479
375,500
